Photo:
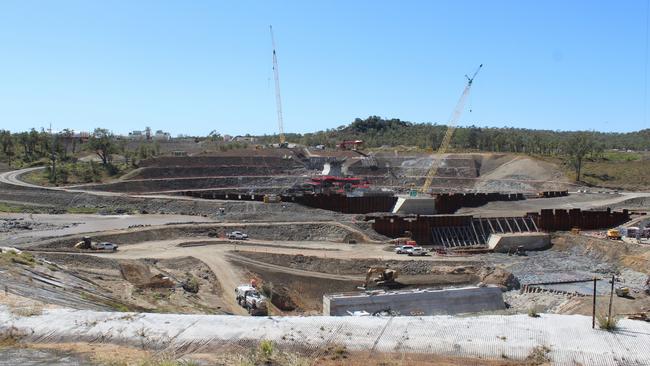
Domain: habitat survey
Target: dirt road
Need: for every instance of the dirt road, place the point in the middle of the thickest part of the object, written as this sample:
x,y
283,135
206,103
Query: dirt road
x,y
217,255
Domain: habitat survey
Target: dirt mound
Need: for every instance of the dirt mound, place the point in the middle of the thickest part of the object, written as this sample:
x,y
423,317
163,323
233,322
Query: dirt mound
x,y
135,272
500,277
619,253
521,174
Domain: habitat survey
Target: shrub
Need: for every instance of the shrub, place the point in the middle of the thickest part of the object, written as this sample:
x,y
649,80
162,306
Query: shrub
x,y
532,312
191,285
266,349
607,323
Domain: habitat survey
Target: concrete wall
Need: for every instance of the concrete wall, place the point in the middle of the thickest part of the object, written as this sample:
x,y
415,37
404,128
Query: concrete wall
x,y
415,206
418,302
504,243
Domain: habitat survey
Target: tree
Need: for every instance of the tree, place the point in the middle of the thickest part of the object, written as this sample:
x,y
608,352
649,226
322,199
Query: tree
x,y
67,136
576,149
102,142
7,142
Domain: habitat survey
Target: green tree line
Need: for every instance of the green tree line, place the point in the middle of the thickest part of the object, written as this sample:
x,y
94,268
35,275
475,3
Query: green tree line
x,y
376,132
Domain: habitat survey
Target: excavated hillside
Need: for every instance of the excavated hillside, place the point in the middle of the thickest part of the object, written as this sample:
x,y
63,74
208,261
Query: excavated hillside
x,y
273,170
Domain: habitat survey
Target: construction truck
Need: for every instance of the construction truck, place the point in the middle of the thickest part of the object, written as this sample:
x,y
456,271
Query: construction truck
x,y
384,276
250,299
614,234
272,198
87,243
622,291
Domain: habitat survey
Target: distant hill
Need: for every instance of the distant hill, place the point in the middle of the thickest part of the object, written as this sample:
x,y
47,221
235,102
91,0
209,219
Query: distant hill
x,y
376,132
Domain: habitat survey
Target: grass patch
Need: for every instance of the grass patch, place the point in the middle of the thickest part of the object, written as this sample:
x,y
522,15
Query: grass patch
x,y
26,311
82,210
532,312
538,356
164,360
9,339
77,172
9,208
605,322
23,258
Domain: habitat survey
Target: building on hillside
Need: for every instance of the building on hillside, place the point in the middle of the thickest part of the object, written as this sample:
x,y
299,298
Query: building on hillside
x,y
160,135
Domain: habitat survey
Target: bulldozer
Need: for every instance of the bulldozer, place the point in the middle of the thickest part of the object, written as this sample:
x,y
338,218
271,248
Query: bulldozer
x,y
613,234
384,276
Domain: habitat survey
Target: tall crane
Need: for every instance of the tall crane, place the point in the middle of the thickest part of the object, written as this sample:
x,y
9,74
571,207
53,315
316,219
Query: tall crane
x,y
278,100
451,127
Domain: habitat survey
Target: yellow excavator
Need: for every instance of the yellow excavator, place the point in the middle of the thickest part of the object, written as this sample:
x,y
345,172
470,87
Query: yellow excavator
x,y
383,276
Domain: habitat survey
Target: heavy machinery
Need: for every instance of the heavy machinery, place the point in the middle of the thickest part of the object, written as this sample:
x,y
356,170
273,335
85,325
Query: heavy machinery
x,y
451,127
384,276
614,234
250,299
622,291
278,99
350,144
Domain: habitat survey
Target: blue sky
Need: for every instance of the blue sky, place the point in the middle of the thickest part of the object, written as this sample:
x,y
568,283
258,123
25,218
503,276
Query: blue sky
x,y
196,66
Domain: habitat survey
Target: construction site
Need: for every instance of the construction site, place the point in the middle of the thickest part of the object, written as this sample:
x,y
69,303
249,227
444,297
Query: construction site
x,y
471,257
314,233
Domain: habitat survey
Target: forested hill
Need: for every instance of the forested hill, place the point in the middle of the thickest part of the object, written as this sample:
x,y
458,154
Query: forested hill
x,y
376,132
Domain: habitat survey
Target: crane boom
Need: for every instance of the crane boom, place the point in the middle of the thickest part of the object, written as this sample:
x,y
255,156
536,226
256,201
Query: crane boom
x,y
451,127
278,99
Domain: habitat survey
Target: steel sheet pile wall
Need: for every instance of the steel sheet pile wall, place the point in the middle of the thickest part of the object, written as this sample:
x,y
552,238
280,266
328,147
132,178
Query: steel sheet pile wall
x,y
549,194
448,203
332,202
419,226
211,195
558,219
344,204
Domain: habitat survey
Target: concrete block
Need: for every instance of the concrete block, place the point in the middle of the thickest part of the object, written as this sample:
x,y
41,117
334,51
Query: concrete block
x,y
504,243
417,302
415,206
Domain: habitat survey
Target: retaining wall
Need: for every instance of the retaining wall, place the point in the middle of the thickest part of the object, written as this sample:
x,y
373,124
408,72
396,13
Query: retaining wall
x,y
450,203
563,220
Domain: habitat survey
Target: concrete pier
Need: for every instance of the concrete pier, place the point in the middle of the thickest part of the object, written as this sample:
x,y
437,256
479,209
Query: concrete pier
x,y
417,302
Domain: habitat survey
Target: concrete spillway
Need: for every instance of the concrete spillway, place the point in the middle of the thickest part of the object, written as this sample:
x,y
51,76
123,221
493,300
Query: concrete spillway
x,y
415,205
417,302
507,242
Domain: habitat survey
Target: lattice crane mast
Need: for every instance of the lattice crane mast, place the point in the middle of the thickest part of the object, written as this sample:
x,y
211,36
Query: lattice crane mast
x,y
451,127
278,99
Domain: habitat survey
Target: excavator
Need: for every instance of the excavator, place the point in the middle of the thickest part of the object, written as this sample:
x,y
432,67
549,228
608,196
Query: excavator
x,y
384,276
